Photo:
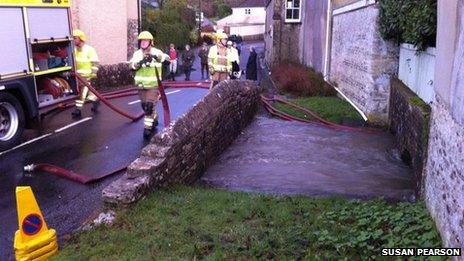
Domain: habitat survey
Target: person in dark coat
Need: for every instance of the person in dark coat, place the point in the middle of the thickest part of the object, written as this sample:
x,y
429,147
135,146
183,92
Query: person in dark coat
x,y
203,54
252,66
188,57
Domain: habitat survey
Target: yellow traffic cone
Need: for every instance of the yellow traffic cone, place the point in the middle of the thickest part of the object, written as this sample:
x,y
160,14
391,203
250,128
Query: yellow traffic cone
x,y
33,240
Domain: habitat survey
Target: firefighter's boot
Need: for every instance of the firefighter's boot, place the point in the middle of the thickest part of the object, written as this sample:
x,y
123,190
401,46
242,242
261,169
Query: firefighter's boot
x,y
147,133
76,113
95,105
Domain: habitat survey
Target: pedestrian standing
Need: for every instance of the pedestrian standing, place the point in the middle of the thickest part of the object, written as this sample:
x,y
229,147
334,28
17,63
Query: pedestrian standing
x,y
173,59
147,64
87,67
203,54
252,66
187,61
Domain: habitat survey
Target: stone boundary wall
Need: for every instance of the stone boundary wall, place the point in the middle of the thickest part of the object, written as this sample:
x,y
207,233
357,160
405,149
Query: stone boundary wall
x,y
183,151
444,177
114,75
362,63
409,120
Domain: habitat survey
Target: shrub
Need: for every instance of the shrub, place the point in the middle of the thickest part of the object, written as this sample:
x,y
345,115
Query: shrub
x,y
302,81
172,24
410,21
221,9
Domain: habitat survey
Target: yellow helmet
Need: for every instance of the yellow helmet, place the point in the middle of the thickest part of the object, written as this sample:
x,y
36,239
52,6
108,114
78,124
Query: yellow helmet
x,y
80,34
145,35
221,35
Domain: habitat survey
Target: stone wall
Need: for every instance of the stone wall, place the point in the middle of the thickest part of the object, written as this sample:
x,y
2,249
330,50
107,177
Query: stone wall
x,y
115,75
362,62
132,34
444,176
183,151
444,180
284,38
409,119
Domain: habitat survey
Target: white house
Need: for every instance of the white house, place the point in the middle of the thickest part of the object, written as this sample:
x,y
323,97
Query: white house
x,y
248,20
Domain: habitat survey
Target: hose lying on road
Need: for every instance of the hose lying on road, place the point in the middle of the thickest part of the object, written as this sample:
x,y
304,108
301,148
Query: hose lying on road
x,y
267,102
64,173
105,101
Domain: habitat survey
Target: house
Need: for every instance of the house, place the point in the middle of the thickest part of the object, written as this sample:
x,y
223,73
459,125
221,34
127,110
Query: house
x,y
111,28
296,30
247,19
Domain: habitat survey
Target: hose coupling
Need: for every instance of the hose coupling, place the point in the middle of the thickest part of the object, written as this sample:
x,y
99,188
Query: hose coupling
x,y
29,168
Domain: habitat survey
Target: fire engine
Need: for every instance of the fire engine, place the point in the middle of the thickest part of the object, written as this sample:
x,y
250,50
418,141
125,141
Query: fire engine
x,y
36,61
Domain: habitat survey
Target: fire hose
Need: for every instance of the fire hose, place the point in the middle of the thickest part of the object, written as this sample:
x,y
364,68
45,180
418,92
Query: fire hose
x,y
106,102
164,100
68,174
267,102
64,173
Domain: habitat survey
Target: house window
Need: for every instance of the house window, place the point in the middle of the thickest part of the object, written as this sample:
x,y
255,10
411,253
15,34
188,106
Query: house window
x,y
247,11
293,11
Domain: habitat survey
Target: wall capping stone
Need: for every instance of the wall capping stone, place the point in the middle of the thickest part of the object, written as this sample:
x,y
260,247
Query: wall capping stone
x,y
183,150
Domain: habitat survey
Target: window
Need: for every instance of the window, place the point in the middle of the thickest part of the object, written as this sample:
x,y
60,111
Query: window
x,y
247,11
293,11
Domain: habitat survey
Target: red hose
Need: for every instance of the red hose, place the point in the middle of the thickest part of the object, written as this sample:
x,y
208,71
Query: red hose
x,y
129,89
105,101
323,122
67,174
120,95
164,100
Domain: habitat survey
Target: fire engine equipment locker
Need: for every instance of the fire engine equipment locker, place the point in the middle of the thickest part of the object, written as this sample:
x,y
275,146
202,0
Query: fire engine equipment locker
x,y
13,54
47,23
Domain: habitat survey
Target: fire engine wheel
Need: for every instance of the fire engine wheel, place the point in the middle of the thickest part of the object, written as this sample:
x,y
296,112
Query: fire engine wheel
x,y
11,121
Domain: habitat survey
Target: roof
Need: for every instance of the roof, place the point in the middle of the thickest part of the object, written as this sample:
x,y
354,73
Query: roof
x,y
253,3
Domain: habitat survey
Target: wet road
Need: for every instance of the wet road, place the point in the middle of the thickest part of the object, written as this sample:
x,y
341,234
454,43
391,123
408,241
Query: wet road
x,y
99,144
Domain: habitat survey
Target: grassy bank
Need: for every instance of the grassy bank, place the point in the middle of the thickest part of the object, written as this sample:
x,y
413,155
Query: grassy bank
x,y
188,223
329,108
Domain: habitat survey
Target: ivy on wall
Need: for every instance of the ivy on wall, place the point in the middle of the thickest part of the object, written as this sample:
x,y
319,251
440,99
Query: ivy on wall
x,y
409,21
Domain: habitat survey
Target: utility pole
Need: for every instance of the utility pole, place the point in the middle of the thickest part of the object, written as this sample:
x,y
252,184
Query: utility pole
x,y
199,21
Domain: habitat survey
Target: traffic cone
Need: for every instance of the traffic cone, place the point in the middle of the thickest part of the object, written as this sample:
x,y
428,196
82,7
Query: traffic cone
x,y
33,240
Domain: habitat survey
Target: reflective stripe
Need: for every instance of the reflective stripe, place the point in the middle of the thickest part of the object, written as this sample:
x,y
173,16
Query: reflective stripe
x,y
84,71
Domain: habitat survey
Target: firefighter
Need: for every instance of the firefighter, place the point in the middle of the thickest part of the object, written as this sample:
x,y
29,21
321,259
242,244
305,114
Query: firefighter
x,y
147,62
87,67
219,61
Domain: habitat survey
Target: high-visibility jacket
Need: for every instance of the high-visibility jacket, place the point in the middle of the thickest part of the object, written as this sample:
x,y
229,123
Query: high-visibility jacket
x,y
217,62
86,59
145,76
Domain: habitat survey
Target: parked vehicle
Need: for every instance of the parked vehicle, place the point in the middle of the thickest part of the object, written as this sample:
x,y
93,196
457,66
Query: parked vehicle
x,y
36,61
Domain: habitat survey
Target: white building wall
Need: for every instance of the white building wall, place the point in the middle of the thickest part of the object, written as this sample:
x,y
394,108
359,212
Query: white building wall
x,y
248,30
254,11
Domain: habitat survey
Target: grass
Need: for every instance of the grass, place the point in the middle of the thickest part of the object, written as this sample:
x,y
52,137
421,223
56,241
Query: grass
x,y
193,223
329,108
